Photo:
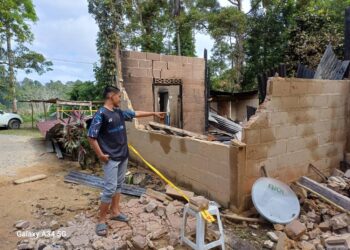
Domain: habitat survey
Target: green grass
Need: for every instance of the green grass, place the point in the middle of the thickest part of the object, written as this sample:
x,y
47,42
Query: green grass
x,y
25,130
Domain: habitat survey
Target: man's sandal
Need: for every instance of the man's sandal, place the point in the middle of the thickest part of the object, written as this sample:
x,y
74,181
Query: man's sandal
x,y
101,229
120,217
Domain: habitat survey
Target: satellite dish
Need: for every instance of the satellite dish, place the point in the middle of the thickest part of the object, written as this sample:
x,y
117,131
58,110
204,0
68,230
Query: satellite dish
x,y
275,200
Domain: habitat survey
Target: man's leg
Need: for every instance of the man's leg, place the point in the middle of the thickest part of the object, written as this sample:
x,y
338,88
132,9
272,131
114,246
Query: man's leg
x,y
110,184
115,206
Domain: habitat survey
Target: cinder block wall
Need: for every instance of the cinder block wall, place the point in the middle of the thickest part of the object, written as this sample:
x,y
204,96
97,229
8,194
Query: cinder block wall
x,y
302,121
202,166
139,69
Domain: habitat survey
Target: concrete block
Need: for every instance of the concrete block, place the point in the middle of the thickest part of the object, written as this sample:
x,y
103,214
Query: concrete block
x,y
315,87
338,242
170,73
256,152
279,118
130,63
251,136
277,148
279,87
187,67
302,116
298,88
136,72
288,102
167,58
284,132
299,143
156,73
136,55
306,101
175,66
145,64
259,120
152,56
198,75
160,65
267,135
320,101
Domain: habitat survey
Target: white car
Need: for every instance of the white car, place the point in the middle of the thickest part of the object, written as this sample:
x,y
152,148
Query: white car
x,y
10,120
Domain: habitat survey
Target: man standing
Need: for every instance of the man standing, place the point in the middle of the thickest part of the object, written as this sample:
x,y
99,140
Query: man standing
x,y
107,137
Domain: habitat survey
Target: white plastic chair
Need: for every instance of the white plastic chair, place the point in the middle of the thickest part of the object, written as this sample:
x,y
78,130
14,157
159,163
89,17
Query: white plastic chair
x,y
200,228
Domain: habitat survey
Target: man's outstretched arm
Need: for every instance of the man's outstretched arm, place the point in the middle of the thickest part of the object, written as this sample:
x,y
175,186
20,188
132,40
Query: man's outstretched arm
x,y
139,114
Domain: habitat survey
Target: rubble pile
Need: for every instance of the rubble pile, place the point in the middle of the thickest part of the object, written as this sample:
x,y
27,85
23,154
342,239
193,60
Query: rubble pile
x,y
319,226
153,225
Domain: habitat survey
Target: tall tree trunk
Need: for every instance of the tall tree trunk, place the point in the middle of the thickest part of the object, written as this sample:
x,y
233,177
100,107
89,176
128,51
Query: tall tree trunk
x,y
12,83
178,40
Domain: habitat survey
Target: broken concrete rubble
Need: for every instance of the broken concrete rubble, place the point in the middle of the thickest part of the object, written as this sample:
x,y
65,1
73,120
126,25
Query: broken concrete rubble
x,y
295,229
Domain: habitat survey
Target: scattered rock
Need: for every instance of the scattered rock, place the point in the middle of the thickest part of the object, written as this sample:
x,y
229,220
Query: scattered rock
x,y
170,209
272,236
307,246
54,225
158,233
151,207
137,178
97,245
255,226
295,229
79,241
339,221
278,227
268,244
324,226
22,224
139,242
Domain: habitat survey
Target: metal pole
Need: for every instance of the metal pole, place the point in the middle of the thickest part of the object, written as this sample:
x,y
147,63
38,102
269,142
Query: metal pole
x,y
206,90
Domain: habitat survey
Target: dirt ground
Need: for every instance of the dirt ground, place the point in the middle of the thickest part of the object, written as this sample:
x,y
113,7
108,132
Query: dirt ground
x,y
25,156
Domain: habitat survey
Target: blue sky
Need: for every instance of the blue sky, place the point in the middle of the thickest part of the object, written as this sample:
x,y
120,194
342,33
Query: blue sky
x,y
66,32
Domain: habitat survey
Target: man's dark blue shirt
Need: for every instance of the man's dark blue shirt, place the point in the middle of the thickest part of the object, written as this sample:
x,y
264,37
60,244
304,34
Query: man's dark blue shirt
x,y
108,127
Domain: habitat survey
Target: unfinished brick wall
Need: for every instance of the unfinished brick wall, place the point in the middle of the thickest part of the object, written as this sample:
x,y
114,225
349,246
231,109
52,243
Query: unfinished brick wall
x,y
302,121
139,69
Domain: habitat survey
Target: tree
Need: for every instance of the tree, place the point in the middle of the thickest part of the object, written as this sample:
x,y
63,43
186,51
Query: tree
x,y
227,27
15,16
108,15
84,91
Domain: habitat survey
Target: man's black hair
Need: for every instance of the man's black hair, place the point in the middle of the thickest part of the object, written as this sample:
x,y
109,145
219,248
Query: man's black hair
x,y
109,89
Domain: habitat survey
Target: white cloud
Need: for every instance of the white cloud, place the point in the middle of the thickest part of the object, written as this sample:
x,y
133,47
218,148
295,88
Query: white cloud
x,y
66,30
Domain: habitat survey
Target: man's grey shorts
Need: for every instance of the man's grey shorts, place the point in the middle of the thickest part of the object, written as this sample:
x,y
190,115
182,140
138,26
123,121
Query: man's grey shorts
x,y
114,176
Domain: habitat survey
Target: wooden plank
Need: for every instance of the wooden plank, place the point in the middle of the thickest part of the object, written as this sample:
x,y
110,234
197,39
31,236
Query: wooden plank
x,y
325,193
241,218
30,179
74,103
177,130
158,195
173,193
